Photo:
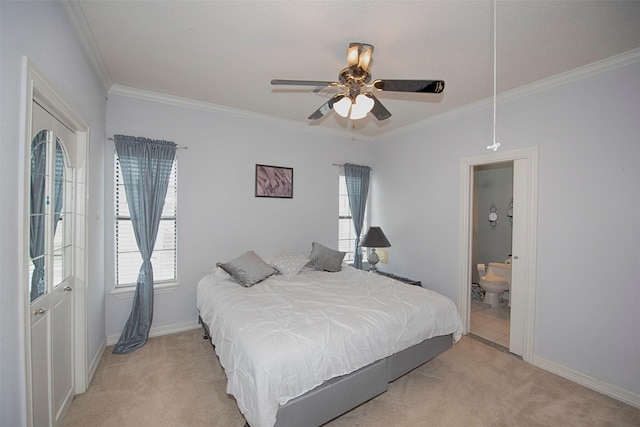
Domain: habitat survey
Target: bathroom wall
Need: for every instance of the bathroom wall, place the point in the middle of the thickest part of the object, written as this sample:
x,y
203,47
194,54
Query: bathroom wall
x,y
493,184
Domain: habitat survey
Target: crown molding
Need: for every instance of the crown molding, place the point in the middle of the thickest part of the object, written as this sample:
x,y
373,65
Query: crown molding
x,y
580,73
74,10
78,19
230,111
608,64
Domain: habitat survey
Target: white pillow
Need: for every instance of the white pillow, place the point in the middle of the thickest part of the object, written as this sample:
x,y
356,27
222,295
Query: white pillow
x,y
218,271
289,264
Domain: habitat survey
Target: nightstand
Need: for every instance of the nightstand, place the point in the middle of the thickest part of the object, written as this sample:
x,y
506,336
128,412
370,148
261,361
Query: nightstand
x,y
400,278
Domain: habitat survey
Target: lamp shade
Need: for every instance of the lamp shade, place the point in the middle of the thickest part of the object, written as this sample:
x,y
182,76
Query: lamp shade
x,y
354,108
375,238
361,106
343,106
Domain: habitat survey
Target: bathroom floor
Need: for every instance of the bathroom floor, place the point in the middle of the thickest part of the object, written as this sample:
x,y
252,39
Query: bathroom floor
x,y
491,323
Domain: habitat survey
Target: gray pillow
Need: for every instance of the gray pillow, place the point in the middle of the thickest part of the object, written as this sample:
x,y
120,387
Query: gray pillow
x,y
247,269
324,258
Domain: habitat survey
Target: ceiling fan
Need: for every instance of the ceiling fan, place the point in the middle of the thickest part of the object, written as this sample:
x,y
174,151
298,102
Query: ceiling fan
x,y
355,99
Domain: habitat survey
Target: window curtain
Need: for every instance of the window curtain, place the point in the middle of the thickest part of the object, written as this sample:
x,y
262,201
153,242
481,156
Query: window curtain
x,y
357,180
146,167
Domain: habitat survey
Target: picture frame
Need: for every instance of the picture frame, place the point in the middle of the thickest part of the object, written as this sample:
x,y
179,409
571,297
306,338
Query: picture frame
x,y
274,181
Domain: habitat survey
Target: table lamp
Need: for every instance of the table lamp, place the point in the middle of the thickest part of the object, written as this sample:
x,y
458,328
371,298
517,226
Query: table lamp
x,y
374,238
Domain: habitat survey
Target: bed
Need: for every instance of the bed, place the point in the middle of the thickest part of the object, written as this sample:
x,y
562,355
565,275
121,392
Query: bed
x,y
304,348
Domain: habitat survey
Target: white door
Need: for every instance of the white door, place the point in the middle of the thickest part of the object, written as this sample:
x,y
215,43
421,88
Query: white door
x,y
524,242
518,268
522,272
51,268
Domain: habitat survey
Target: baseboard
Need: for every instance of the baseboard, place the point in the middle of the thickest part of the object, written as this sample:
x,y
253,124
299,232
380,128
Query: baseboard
x,y
594,384
162,330
93,366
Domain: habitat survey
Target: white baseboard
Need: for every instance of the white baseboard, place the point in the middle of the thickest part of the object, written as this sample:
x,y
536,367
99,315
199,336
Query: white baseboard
x,y
162,330
96,361
594,384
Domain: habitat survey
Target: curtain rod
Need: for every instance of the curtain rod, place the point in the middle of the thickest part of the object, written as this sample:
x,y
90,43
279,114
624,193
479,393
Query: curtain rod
x,y
342,164
178,147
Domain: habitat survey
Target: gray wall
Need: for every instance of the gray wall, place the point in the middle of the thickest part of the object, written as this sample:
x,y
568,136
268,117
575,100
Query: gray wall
x,y
219,216
41,31
587,293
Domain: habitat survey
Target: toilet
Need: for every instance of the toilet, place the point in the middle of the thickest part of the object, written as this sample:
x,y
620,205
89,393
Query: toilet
x,y
494,281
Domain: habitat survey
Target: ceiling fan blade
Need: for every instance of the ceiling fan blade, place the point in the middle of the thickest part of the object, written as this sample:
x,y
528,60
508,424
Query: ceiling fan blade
x,y
326,107
302,83
378,110
424,86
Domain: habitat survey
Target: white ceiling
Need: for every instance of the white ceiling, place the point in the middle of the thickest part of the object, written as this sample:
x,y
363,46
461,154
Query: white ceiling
x,y
226,52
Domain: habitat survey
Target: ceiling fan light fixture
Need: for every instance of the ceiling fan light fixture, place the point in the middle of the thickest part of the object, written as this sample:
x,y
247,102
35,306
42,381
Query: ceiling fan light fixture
x,y
343,106
365,57
355,101
361,107
352,55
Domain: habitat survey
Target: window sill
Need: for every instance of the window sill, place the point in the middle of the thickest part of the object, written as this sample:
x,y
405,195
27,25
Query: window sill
x,y
158,288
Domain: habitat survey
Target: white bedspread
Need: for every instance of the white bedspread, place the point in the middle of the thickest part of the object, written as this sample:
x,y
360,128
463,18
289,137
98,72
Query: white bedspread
x,y
285,336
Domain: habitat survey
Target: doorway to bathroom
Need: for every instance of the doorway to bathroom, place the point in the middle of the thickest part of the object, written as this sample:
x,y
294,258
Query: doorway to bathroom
x,y
520,300
492,219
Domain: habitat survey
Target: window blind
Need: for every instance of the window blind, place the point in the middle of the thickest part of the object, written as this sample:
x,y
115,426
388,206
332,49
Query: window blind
x,y
346,230
128,258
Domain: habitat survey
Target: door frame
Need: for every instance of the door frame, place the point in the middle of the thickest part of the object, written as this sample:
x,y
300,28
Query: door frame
x,y
525,250
37,86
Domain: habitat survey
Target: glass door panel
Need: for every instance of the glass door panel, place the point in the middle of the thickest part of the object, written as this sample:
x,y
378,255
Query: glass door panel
x,y
61,218
38,214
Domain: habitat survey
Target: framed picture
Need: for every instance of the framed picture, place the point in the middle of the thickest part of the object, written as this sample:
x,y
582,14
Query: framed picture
x,y
274,181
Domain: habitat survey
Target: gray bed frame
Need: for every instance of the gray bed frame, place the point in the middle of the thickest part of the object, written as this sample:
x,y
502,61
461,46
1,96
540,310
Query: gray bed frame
x,y
338,395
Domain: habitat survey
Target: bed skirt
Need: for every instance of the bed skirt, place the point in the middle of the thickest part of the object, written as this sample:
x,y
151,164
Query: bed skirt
x,y
341,394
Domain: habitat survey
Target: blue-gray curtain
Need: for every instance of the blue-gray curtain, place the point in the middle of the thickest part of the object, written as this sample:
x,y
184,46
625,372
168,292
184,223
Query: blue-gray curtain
x,y
357,179
146,168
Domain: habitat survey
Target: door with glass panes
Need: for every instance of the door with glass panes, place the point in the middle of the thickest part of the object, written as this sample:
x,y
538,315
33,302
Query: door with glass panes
x,y
51,268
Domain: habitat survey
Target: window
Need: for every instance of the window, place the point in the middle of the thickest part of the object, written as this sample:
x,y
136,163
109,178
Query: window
x,y
346,230
128,258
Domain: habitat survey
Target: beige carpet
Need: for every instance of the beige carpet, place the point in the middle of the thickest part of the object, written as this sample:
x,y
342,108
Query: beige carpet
x,y
177,381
